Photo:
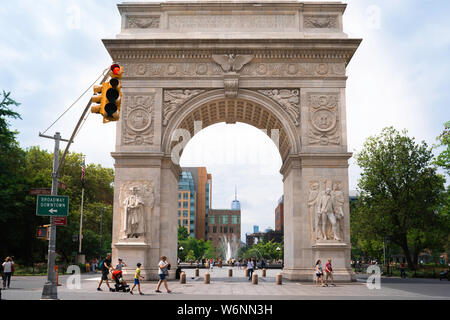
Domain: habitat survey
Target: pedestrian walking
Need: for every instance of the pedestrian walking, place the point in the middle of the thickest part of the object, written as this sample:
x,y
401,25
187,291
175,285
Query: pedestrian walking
x,y
163,271
329,273
239,264
105,267
402,271
8,269
250,269
211,265
319,273
137,277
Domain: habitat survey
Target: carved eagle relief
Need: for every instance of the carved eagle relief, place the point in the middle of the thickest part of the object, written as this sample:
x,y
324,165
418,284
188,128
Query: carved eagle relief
x,y
232,62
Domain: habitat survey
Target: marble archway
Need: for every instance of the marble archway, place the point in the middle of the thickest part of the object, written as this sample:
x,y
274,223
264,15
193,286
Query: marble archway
x,y
279,67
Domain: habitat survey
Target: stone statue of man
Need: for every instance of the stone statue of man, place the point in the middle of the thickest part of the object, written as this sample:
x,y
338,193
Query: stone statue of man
x,y
338,203
134,212
326,209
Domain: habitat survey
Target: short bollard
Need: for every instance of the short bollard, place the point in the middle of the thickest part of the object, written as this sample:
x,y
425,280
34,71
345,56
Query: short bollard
x,y
230,272
207,278
246,273
183,277
255,278
264,273
279,279
197,272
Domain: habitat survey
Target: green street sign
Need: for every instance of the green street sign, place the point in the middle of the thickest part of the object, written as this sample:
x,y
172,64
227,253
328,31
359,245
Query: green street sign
x,y
52,206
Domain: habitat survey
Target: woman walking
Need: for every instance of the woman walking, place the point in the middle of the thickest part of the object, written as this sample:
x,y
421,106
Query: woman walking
x,y
319,273
8,266
163,272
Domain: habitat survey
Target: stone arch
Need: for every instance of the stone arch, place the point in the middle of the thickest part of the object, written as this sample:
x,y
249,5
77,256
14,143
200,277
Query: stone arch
x,y
249,107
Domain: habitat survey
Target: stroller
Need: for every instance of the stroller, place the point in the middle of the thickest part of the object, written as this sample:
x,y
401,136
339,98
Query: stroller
x,y
121,285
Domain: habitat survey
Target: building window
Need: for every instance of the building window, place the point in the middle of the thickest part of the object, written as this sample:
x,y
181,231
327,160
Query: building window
x,y
214,229
179,195
179,204
185,213
185,223
221,229
225,229
224,219
231,229
234,219
212,219
185,205
185,196
179,213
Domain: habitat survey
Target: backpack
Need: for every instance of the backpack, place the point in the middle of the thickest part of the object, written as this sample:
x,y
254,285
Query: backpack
x,y
168,266
100,266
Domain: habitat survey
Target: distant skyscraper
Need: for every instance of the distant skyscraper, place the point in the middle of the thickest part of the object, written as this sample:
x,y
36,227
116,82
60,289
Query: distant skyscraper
x,y
255,229
235,205
279,215
203,187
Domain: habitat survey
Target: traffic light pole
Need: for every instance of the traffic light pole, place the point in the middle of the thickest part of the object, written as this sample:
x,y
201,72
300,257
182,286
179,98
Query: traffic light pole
x,y
50,287
49,291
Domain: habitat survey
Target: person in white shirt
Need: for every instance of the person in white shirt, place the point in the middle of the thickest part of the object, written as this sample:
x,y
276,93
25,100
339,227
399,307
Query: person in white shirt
x,y
163,271
7,271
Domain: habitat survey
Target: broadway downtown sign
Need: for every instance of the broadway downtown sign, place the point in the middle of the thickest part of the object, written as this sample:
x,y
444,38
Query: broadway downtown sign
x,y
52,206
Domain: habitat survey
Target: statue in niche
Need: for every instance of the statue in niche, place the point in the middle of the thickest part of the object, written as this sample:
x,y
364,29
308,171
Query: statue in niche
x,y
326,209
338,203
134,215
312,205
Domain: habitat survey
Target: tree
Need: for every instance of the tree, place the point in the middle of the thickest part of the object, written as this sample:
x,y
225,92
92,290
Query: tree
x,y
443,159
400,195
183,233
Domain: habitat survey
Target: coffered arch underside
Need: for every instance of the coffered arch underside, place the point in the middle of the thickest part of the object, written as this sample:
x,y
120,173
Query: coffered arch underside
x,y
249,107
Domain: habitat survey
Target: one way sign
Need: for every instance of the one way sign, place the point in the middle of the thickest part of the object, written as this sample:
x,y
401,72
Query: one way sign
x,y
53,206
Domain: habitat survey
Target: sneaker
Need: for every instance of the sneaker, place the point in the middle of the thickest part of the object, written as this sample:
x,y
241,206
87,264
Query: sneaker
x,y
99,289
170,291
326,285
131,292
141,293
111,289
158,291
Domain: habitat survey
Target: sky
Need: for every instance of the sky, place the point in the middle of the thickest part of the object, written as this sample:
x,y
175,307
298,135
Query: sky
x,y
51,52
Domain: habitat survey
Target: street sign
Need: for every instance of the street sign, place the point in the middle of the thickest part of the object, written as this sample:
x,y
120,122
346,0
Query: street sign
x,y
52,206
37,191
60,221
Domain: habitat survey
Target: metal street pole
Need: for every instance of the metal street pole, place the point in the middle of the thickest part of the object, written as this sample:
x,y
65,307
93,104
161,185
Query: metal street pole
x,y
50,288
101,231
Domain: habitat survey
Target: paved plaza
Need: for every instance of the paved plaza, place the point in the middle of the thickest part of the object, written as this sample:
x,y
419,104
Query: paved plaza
x,y
236,288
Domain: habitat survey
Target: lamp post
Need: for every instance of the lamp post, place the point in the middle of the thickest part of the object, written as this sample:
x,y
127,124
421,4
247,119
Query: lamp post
x,y
278,252
181,250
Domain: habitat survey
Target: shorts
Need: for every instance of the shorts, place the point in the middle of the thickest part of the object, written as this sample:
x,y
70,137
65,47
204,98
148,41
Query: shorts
x,y
318,275
136,281
162,276
105,276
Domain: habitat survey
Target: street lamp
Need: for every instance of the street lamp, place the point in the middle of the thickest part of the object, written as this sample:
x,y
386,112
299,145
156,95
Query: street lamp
x,y
278,251
181,250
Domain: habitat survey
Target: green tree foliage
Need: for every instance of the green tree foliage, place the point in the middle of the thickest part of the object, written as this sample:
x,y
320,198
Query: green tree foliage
x,y
263,249
443,159
183,233
21,170
401,196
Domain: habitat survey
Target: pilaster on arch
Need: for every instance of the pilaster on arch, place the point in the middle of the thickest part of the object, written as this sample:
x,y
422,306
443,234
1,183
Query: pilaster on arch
x,y
249,107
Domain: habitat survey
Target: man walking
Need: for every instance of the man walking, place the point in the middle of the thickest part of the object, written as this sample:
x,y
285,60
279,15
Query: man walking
x,y
329,273
105,267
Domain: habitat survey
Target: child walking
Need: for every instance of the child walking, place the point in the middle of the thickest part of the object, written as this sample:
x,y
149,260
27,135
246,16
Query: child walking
x,y
137,276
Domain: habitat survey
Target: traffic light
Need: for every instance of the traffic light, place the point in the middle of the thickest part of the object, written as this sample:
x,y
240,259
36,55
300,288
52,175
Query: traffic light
x,y
43,232
108,96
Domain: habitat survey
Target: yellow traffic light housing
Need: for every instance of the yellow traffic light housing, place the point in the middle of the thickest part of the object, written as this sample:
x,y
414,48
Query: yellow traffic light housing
x,y
108,96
